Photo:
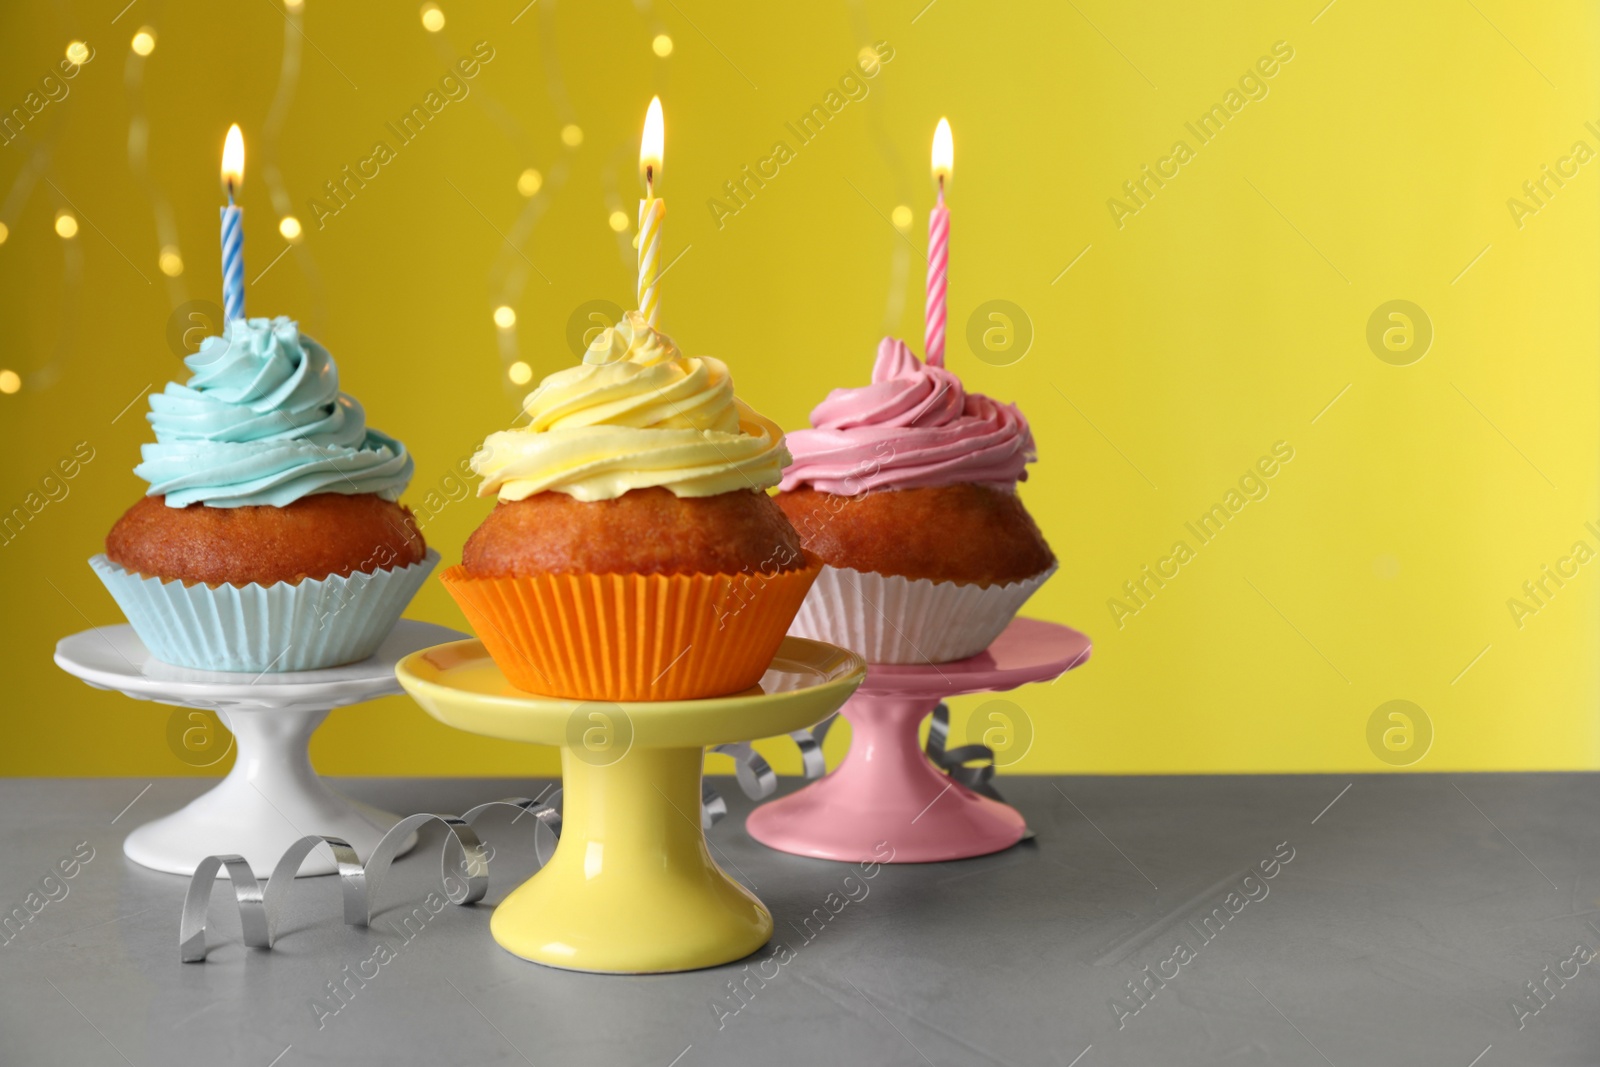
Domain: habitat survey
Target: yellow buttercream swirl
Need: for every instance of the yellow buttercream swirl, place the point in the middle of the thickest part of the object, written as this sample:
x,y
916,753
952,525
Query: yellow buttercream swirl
x,y
636,413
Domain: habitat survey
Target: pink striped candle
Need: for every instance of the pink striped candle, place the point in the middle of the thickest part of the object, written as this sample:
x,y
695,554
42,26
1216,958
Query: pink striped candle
x,y
938,267
938,249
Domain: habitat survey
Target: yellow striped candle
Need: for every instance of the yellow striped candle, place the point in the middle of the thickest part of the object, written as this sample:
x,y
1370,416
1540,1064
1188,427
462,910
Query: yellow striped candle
x,y
652,211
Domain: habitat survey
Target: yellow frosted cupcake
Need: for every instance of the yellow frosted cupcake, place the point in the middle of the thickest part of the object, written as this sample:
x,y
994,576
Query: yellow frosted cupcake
x,y
635,553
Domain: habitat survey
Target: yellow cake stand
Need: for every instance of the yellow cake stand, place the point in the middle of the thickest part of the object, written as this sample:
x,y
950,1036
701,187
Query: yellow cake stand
x,y
632,887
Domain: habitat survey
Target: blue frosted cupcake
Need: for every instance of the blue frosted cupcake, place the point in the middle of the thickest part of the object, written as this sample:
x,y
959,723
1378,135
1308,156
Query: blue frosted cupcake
x,y
272,537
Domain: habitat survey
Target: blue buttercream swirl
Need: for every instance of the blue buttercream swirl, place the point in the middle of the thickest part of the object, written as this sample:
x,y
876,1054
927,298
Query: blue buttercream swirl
x,y
262,421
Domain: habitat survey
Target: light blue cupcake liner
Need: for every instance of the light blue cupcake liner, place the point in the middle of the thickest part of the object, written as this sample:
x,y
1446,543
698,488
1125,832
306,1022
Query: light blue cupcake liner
x,y
305,626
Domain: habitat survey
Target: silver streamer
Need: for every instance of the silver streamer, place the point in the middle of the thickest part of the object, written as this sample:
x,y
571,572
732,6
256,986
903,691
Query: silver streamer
x,y
756,777
712,807
953,761
757,780
260,909
810,744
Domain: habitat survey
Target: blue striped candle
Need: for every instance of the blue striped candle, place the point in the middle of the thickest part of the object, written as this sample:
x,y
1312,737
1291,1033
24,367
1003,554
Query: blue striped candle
x,y
232,263
232,228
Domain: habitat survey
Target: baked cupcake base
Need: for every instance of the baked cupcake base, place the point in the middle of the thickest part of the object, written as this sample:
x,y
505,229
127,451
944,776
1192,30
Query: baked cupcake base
x,y
961,533
643,531
317,536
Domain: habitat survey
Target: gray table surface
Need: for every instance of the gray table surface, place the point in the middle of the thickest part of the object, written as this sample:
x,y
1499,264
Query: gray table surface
x,y
1414,912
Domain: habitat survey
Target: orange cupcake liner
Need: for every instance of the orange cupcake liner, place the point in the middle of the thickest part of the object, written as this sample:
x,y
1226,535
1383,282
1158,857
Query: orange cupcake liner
x,y
632,636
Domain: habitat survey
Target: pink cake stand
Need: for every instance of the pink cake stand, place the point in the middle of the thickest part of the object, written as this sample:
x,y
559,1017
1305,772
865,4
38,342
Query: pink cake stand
x,y
887,794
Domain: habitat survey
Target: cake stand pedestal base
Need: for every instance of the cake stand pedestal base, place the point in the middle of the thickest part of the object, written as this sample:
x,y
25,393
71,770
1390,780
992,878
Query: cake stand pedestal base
x,y
271,798
887,802
632,887
268,801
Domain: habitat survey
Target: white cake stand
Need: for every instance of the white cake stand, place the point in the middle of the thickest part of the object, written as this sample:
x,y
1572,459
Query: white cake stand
x,y
272,797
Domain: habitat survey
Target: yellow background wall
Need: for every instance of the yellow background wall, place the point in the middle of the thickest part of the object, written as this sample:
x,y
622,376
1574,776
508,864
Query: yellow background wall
x,y
1223,316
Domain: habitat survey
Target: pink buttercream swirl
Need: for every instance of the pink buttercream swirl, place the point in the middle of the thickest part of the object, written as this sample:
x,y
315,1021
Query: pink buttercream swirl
x,y
913,427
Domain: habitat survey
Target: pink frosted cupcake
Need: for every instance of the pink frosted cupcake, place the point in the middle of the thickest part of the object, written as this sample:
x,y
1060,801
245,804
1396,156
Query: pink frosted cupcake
x,y
906,489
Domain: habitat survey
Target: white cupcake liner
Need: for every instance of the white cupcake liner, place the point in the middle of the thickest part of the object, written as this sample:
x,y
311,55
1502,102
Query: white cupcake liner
x,y
303,626
890,619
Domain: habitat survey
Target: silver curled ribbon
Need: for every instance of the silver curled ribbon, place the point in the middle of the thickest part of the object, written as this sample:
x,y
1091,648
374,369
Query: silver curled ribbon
x,y
757,780
712,807
261,908
953,761
810,744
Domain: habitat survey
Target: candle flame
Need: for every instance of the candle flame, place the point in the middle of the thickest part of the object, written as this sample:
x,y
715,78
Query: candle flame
x,y
233,158
943,152
651,144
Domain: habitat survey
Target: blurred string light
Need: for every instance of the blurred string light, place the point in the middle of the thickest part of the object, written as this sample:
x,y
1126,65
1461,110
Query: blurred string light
x,y
170,257
37,169
510,273
621,165
289,227
432,18
660,40
49,373
899,251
